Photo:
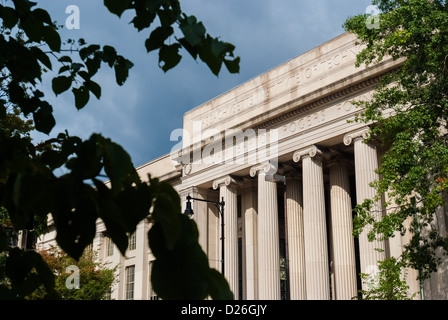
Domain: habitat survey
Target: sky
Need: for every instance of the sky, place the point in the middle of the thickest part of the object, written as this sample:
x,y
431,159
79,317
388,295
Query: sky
x,y
141,114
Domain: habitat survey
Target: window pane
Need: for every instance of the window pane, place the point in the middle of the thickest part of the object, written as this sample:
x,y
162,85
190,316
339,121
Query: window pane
x,y
130,275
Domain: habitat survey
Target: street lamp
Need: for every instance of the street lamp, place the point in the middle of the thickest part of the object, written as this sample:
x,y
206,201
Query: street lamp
x,y
220,205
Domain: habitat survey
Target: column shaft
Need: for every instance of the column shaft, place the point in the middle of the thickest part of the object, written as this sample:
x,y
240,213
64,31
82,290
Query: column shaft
x,y
296,244
228,192
342,233
268,240
249,204
315,230
366,162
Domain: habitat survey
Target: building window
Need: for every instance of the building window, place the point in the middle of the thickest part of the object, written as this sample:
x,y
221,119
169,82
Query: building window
x,y
132,241
130,278
88,251
109,246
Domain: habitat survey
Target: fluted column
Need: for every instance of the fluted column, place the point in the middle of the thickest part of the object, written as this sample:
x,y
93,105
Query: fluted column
x,y
249,209
227,191
296,242
366,163
268,235
315,226
342,231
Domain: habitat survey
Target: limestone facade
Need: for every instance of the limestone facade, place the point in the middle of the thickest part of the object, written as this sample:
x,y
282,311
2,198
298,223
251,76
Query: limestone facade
x,y
290,167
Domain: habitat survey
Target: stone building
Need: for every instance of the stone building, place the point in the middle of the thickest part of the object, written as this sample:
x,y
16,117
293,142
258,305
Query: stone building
x,y
280,152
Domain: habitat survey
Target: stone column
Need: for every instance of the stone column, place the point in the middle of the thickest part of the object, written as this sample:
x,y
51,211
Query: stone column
x,y
366,162
227,191
249,210
315,226
141,261
268,235
343,244
296,242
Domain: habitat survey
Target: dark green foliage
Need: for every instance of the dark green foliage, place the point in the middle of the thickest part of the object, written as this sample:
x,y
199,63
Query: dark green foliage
x,y
29,187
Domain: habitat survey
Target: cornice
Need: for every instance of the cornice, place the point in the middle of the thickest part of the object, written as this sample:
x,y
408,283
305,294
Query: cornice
x,y
319,102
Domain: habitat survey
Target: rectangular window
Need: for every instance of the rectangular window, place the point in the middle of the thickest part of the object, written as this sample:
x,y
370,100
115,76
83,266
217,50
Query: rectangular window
x,y
132,241
110,247
130,278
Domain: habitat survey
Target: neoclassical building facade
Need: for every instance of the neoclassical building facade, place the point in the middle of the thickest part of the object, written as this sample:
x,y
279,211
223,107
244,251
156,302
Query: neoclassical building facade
x,y
281,153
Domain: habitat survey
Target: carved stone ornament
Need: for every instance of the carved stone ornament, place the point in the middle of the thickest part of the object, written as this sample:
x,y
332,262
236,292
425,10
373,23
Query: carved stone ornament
x,y
358,134
311,151
267,168
226,180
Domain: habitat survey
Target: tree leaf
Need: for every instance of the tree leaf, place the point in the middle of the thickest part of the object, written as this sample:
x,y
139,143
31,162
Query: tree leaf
x,y
93,64
218,286
167,211
169,56
109,55
75,217
43,117
52,38
87,51
42,15
144,18
61,84
81,96
233,65
208,55
118,165
183,272
94,88
122,67
9,17
158,37
193,31
113,220
134,203
41,56
117,7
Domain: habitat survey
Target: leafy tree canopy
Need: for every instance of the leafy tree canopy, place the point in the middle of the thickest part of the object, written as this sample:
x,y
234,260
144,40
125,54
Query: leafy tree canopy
x,y
95,278
30,189
414,168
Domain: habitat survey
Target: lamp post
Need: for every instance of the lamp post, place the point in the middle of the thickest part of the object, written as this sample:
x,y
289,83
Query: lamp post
x,y
220,205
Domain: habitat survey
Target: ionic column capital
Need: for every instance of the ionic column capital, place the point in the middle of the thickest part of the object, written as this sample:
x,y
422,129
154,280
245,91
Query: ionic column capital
x,y
362,133
266,168
311,151
226,181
